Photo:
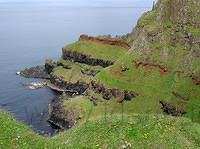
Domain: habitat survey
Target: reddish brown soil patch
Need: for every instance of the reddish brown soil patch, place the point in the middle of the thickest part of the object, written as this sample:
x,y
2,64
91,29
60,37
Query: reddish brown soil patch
x,y
114,73
145,74
123,68
121,98
192,91
196,81
183,104
161,69
104,41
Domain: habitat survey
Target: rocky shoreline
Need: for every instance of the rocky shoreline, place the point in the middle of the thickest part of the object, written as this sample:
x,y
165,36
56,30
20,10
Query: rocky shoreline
x,y
74,75
35,72
61,118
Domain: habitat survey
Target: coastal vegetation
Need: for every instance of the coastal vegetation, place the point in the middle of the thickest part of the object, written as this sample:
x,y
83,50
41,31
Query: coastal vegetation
x,y
133,131
140,90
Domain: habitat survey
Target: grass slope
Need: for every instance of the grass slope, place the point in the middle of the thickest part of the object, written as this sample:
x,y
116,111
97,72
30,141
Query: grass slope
x,y
153,87
157,40
141,131
97,51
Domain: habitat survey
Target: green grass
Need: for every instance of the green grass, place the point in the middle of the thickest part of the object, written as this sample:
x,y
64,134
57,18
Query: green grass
x,y
147,18
152,27
16,135
152,87
141,131
69,75
194,31
78,107
97,51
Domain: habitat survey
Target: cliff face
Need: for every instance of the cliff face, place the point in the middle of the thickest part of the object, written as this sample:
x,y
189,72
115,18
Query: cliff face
x,y
179,11
82,58
169,36
163,63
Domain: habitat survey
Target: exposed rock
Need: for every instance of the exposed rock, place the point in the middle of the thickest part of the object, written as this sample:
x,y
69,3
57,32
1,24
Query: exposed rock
x,y
55,88
75,56
63,115
178,11
123,68
34,85
89,72
35,72
128,95
109,41
58,115
92,98
49,65
78,87
107,93
66,66
169,37
171,109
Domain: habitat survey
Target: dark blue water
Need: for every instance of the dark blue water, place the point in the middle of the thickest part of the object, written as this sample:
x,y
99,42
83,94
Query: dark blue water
x,y
31,33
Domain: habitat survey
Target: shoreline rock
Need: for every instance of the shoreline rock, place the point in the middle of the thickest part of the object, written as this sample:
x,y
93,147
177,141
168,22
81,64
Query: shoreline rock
x,y
35,72
57,114
34,85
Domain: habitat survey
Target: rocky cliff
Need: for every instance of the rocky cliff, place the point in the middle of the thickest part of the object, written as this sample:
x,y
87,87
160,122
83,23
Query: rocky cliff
x,y
160,73
169,36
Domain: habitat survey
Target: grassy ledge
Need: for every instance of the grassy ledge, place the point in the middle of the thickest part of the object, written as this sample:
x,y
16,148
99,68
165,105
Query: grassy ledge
x,y
97,51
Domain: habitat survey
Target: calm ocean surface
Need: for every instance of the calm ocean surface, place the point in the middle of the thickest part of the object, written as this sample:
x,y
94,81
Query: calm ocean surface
x,y
31,33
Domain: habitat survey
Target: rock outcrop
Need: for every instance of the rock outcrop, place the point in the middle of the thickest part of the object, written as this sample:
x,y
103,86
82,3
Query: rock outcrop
x,y
75,56
168,37
49,65
58,116
171,109
78,87
108,93
35,72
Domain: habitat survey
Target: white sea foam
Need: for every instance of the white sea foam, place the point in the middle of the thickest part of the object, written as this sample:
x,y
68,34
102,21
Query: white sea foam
x,y
18,73
32,87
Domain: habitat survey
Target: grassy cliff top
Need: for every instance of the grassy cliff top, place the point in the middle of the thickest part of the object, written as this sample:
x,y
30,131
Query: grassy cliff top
x,y
97,51
69,75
